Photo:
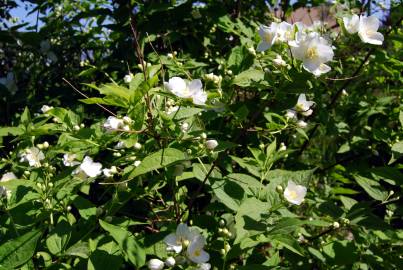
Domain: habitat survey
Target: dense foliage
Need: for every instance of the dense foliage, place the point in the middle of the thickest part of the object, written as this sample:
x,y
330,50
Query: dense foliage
x,y
201,135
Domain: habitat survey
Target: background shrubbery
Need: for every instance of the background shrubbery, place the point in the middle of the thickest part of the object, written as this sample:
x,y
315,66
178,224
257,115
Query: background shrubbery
x,y
162,167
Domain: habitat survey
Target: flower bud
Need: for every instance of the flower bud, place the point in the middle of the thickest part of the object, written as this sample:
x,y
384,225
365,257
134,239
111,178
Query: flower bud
x,y
336,225
137,146
170,262
203,136
279,189
76,127
155,264
170,55
222,251
302,124
211,144
221,223
282,147
82,125
137,163
68,208
227,247
108,219
45,144
184,127
225,231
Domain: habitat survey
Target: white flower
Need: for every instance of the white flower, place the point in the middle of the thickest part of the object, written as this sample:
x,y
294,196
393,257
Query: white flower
x,y
184,89
302,124
351,24
46,108
368,30
291,114
90,168
195,251
6,177
113,123
303,106
314,51
268,34
170,262
33,156
321,70
294,193
211,144
204,266
278,61
128,78
69,160
155,264
285,32
182,236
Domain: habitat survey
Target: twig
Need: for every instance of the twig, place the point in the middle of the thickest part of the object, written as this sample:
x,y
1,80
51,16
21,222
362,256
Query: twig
x,y
84,95
193,198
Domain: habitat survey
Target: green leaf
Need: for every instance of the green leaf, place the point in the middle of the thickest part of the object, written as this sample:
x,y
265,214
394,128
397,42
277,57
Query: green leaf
x,y
26,117
249,77
372,187
85,207
183,113
340,252
13,131
247,218
17,251
105,257
288,242
59,237
229,193
158,160
398,147
127,243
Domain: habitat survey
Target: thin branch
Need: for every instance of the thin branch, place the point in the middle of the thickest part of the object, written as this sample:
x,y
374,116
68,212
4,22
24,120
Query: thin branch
x,y
193,198
84,95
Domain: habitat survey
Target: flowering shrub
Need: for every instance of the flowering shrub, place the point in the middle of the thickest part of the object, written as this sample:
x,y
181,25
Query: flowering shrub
x,y
245,146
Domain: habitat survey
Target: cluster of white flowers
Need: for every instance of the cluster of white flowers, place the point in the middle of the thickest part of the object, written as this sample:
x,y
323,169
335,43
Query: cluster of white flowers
x,y
305,42
33,156
294,193
114,123
185,89
303,107
187,241
366,27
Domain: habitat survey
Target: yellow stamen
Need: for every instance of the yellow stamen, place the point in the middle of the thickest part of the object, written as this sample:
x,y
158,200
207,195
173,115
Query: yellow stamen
x,y
311,53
